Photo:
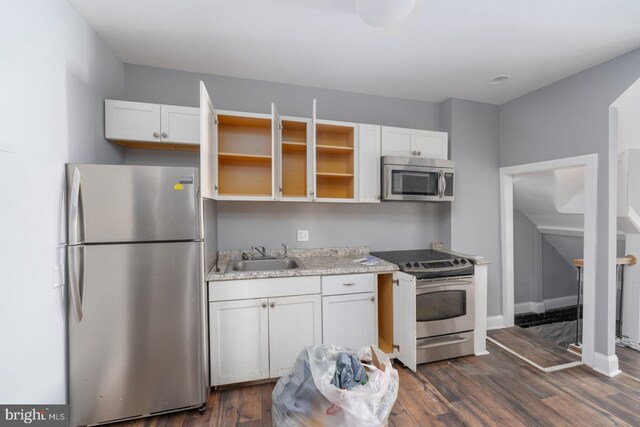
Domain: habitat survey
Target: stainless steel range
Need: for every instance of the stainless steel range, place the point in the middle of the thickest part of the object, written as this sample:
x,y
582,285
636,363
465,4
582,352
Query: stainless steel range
x,y
444,301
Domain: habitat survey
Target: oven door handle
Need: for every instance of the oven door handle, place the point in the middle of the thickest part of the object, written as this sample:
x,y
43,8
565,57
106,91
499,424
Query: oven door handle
x,y
444,284
442,184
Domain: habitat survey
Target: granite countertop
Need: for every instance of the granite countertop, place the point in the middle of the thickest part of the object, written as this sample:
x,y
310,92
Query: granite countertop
x,y
317,262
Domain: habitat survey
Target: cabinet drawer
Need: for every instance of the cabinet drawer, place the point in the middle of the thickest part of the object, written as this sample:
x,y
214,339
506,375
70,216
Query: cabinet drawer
x,y
263,288
348,284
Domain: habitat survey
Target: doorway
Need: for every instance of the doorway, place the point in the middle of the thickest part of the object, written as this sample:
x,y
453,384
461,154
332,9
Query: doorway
x,y
587,165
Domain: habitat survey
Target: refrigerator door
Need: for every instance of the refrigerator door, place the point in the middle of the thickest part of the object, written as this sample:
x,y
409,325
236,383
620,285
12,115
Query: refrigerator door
x,y
136,330
113,203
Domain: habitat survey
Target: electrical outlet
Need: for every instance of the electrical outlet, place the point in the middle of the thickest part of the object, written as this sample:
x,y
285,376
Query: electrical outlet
x,y
303,235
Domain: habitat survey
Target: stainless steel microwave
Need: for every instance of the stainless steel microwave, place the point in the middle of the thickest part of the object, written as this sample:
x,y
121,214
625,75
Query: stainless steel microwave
x,y
417,179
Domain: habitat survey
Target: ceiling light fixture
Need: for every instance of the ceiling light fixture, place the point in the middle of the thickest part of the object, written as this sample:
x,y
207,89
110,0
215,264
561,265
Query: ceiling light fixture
x,y
384,13
498,80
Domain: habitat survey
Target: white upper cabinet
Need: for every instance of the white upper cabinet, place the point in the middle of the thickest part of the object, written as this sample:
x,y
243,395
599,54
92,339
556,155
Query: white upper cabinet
x,y
336,160
131,122
180,125
432,145
369,163
397,141
414,143
208,146
295,160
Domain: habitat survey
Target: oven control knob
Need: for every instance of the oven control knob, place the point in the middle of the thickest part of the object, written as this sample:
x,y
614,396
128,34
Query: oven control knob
x,y
416,265
408,265
463,261
456,261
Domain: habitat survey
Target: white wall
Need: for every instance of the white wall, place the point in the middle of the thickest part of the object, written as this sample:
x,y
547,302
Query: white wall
x,y
54,74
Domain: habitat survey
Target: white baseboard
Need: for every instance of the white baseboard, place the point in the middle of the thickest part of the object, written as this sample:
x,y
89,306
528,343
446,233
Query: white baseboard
x,y
495,322
548,304
607,365
529,307
568,301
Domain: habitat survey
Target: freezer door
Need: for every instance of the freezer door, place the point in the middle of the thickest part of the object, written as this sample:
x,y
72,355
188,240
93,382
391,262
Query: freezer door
x,y
113,203
136,333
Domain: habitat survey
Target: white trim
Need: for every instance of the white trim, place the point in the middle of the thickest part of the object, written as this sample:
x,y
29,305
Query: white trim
x,y
566,301
548,304
529,307
495,322
590,163
607,365
532,363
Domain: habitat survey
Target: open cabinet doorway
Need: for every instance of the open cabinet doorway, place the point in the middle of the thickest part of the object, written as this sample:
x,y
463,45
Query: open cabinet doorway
x,y
588,164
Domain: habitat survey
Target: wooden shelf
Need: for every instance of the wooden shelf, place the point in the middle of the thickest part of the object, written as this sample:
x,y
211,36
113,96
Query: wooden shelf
x,y
294,146
334,149
244,157
333,175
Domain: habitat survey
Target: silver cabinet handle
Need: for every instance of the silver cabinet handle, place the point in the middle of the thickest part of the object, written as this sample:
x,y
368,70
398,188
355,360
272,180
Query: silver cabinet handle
x,y
156,134
76,280
264,304
164,134
273,304
348,284
373,298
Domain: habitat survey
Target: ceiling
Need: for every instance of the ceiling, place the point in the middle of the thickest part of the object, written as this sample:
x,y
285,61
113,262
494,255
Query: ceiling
x,y
444,49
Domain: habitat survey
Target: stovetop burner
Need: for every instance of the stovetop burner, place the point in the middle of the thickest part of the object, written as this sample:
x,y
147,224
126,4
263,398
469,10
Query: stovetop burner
x,y
428,263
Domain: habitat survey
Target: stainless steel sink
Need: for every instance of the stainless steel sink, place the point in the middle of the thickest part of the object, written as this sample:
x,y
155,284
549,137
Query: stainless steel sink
x,y
264,264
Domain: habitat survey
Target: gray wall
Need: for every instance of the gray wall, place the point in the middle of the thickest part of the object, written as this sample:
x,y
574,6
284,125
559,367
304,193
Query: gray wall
x,y
527,263
54,76
383,226
558,276
241,225
149,84
475,213
566,119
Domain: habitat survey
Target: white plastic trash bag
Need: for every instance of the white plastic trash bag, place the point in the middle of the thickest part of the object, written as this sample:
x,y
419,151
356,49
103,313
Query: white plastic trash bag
x,y
307,397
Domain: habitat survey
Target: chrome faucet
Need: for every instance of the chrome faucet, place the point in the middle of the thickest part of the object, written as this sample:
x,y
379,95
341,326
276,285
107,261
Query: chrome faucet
x,y
286,248
261,250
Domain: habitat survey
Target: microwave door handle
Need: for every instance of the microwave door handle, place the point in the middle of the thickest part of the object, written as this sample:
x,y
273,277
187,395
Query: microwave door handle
x,y
442,183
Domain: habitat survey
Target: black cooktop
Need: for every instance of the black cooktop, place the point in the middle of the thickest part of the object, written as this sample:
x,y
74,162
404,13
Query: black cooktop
x,y
414,255
428,263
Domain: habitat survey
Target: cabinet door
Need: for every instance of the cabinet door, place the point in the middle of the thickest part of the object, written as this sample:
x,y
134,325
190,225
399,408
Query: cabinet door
x,y
349,320
131,121
397,141
312,147
431,145
294,323
180,125
369,164
239,341
208,146
276,152
404,313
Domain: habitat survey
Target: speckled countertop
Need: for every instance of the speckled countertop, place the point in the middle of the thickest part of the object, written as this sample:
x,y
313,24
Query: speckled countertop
x,y
317,262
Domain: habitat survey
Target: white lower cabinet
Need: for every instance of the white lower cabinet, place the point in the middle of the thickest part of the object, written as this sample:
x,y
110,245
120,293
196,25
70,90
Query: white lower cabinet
x,y
349,320
349,310
239,342
294,323
258,338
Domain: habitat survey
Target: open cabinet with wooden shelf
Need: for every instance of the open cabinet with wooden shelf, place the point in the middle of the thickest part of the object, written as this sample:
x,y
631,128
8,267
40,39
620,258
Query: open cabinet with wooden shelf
x,y
245,156
294,159
335,146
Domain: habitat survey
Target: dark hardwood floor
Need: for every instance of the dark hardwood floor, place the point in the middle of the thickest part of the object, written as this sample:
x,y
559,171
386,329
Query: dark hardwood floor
x,y
494,390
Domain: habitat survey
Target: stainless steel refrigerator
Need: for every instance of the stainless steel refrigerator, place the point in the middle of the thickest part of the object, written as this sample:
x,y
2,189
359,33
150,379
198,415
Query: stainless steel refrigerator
x,y
136,292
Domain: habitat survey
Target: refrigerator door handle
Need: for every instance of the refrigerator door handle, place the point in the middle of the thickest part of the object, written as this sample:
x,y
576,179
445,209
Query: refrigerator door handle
x,y
76,226
76,280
